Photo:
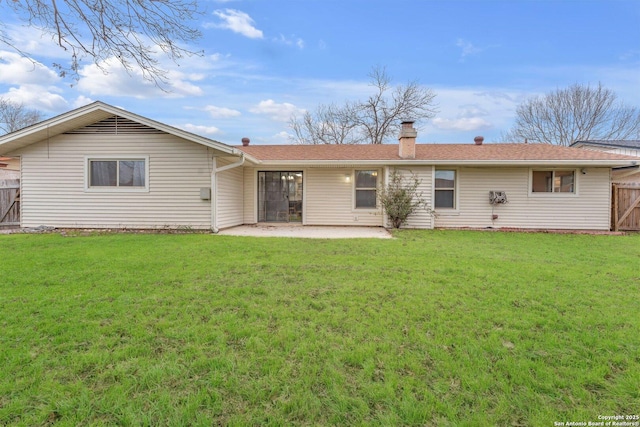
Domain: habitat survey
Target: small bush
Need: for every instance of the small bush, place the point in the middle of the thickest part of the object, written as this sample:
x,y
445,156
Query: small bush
x,y
400,198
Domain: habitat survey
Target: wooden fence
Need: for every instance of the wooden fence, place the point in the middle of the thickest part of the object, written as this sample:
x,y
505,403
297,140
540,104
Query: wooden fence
x,y
9,203
626,207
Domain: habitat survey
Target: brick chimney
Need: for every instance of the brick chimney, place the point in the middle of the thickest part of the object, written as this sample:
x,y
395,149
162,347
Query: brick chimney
x,y
245,141
407,140
478,140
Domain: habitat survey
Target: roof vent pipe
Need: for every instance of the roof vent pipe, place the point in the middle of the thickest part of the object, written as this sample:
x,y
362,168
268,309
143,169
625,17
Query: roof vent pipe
x,y
245,141
478,140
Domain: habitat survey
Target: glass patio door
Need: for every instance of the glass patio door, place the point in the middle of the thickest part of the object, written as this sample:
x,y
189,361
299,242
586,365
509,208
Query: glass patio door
x,y
279,196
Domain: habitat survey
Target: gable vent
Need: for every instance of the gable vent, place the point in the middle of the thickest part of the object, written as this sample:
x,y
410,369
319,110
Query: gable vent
x,y
115,125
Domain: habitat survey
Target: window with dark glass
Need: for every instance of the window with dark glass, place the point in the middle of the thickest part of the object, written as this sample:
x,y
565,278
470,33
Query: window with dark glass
x,y
445,186
553,181
117,173
366,189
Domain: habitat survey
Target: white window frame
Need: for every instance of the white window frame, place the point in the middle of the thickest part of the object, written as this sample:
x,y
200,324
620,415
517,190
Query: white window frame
x,y
553,193
115,189
355,189
456,201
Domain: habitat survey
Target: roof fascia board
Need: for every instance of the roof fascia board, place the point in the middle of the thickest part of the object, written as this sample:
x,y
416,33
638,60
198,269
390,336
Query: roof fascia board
x,y
576,162
78,112
579,144
100,106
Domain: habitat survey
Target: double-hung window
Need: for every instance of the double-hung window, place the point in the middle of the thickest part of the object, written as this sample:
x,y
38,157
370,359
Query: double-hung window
x,y
553,181
366,189
445,189
129,173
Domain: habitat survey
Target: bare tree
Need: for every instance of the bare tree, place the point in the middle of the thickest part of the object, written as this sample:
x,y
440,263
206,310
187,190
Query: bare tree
x,y
577,113
128,30
329,124
373,121
16,116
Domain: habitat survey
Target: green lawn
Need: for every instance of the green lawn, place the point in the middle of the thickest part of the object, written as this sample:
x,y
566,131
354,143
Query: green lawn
x,y
430,328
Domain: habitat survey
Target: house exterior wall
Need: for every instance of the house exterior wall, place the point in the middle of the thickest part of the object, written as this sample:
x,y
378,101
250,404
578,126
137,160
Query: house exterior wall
x,y
421,218
620,177
54,177
330,198
230,187
250,196
589,208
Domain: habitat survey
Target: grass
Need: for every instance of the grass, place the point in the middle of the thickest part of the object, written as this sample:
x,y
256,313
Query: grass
x,y
430,328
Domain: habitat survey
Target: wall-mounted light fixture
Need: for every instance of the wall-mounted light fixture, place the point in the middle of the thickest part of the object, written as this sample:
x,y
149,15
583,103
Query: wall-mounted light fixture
x,y
347,177
583,171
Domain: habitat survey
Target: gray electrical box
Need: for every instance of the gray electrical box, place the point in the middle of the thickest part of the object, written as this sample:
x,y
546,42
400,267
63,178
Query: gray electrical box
x,y
205,193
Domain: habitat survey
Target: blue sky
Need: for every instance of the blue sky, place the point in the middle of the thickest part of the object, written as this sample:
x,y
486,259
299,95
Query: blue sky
x,y
265,60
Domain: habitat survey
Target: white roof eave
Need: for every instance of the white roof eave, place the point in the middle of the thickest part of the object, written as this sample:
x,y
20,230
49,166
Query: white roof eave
x,y
453,162
94,112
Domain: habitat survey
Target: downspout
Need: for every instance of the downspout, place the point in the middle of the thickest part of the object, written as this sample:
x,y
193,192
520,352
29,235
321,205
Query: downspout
x,y
385,219
214,190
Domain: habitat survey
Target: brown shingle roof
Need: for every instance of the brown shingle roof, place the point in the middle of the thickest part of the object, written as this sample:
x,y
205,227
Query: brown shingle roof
x,y
427,152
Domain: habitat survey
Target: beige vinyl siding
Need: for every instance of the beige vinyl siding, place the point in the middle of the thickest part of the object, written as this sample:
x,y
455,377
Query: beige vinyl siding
x,y
250,195
329,199
230,195
422,217
54,194
589,208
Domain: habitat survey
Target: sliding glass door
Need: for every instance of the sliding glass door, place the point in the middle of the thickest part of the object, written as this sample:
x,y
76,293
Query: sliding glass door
x,y
280,196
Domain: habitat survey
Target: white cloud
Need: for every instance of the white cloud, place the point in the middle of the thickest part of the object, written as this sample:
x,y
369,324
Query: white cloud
x,y
17,70
282,137
37,97
117,82
199,129
34,42
630,55
81,101
470,109
290,41
467,48
221,112
461,124
238,22
279,112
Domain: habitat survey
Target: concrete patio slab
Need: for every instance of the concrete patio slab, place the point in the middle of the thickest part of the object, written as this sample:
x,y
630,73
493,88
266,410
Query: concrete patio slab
x,y
307,231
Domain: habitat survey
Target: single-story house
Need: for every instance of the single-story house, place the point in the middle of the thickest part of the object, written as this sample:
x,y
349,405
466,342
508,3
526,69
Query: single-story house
x,y
620,175
103,167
